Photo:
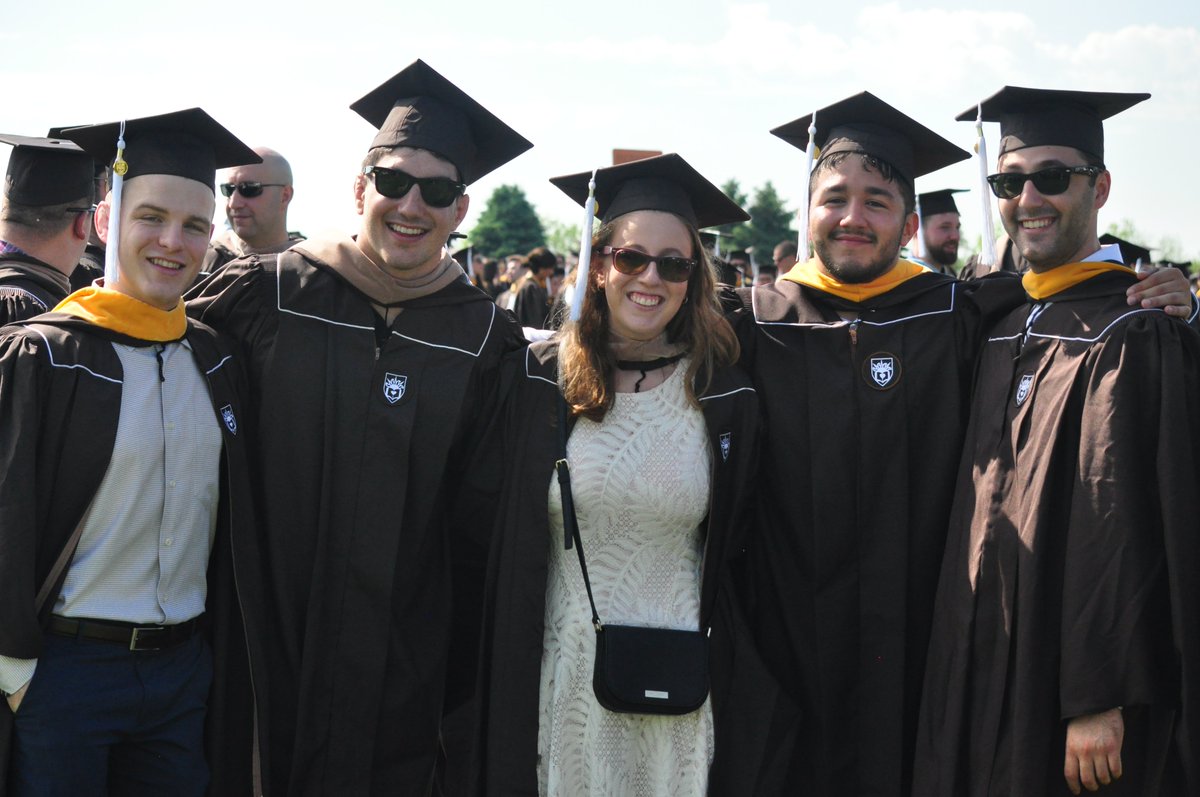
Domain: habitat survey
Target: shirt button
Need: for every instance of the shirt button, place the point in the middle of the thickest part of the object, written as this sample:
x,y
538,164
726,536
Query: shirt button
x,y
170,426
171,483
167,542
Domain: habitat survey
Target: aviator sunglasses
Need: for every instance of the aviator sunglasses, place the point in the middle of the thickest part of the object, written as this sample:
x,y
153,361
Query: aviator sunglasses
x,y
249,189
1051,181
437,192
631,262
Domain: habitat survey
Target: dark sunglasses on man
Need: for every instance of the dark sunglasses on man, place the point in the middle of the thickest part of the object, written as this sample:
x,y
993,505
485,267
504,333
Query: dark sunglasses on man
x,y
248,189
437,192
632,262
1049,182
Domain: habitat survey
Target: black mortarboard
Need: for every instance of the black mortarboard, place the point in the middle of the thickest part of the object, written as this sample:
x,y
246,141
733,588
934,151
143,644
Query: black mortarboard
x,y
666,183
419,108
187,144
46,171
1131,253
936,202
867,125
1052,117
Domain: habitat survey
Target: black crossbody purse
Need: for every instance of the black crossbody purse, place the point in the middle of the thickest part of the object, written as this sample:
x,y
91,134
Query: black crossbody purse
x,y
637,670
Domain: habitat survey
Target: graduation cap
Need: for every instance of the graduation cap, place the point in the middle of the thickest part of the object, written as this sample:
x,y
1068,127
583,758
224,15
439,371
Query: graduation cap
x,y
1131,253
867,125
1052,117
46,171
187,143
667,183
935,202
419,108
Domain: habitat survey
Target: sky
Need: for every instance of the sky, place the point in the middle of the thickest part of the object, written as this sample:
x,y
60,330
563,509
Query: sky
x,y
706,78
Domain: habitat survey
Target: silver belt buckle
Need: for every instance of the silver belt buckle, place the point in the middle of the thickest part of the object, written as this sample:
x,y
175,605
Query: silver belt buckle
x,y
133,639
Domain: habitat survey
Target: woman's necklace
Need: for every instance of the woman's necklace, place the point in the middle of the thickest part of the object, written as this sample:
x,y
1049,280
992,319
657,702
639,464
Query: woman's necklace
x,y
645,366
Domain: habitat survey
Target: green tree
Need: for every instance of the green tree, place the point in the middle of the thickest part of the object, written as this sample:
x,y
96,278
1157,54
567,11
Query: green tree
x,y
507,224
770,223
562,238
733,235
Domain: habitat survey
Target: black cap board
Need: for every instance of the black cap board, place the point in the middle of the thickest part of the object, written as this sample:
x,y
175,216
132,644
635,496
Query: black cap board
x,y
1131,253
1052,117
419,108
936,202
186,143
865,124
667,183
46,171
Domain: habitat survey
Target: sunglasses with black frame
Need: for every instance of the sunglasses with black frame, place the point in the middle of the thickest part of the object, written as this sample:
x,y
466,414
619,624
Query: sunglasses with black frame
x,y
437,192
248,189
1050,181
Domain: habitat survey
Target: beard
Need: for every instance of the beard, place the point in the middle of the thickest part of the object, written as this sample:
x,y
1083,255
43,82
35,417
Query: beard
x,y
858,272
946,255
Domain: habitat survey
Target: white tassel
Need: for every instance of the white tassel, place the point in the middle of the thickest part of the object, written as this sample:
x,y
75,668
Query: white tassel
x,y
112,267
585,251
919,247
802,237
987,257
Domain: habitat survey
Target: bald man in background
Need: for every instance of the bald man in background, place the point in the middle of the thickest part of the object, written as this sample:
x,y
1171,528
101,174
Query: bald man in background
x,y
256,203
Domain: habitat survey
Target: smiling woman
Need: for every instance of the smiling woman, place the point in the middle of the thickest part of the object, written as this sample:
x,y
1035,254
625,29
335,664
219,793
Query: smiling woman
x,y
658,430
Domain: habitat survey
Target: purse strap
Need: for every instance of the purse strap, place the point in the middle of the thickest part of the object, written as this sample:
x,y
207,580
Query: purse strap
x,y
570,521
60,564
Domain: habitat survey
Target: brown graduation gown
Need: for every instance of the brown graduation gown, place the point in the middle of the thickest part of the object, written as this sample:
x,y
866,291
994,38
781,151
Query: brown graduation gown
x,y
863,426
361,445
1069,584
60,400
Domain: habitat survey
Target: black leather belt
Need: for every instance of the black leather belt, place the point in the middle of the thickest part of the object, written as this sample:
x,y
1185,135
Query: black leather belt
x,y
136,637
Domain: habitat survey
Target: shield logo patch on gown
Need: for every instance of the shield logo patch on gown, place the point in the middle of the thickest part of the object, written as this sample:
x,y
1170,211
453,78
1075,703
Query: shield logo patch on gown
x,y
394,386
882,370
1024,388
725,443
228,416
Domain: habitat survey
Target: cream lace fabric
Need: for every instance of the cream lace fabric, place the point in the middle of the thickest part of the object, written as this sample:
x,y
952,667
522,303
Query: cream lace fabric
x,y
640,479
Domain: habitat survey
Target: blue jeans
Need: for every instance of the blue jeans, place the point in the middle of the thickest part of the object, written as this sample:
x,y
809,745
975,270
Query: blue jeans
x,y
99,719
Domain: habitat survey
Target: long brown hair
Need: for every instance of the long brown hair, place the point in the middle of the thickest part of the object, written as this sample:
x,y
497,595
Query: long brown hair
x,y
586,362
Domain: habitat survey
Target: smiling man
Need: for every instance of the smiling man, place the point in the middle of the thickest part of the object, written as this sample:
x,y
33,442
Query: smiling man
x,y
1068,624
117,533
863,364
373,366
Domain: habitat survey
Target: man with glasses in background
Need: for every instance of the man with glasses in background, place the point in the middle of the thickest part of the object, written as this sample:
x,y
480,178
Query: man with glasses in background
x,y
374,365
256,205
1067,633
45,217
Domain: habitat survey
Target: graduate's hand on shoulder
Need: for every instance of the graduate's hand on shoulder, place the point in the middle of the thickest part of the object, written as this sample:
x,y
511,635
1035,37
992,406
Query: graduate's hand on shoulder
x,y
1094,750
14,700
1162,287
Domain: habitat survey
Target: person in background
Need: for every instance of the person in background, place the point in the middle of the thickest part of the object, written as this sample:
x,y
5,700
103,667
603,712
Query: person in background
x,y
257,196
45,218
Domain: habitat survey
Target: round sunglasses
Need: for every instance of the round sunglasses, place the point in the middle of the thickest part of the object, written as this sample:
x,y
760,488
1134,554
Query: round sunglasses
x,y
1051,181
631,262
248,189
437,192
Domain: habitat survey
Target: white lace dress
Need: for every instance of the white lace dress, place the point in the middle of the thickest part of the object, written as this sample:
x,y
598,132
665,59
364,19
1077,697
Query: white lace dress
x,y
640,479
